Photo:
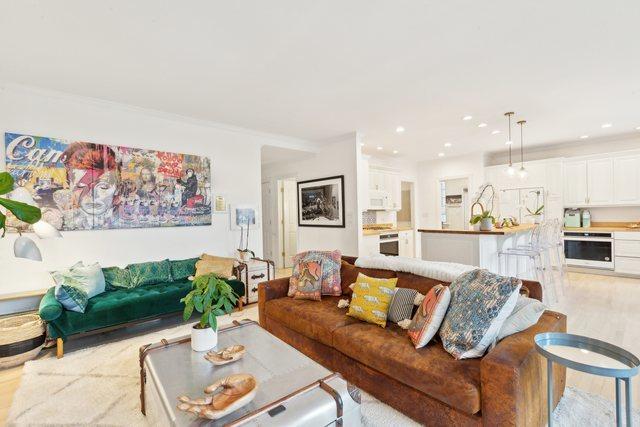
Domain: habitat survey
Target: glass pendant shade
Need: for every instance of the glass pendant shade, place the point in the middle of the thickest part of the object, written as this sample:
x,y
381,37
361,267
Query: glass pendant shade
x,y
511,170
522,173
26,248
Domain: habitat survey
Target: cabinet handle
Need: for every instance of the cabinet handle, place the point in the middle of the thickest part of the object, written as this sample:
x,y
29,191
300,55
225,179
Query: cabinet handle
x,y
257,276
254,289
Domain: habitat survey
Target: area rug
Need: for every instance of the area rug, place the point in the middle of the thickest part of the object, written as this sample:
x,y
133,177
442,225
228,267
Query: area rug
x,y
99,386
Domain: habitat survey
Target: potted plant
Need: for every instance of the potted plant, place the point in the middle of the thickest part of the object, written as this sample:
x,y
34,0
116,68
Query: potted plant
x,y
211,297
244,253
485,219
536,214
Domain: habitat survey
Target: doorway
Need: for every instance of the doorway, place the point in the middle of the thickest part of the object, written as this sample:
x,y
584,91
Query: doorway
x,y
287,222
454,201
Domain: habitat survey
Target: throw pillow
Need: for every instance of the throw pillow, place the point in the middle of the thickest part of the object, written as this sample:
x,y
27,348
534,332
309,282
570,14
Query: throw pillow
x,y
76,285
429,317
401,307
116,277
310,281
330,261
526,313
371,298
183,268
219,266
480,303
147,273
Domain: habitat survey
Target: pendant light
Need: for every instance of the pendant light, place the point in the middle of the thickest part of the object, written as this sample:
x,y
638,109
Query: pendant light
x,y
510,169
522,172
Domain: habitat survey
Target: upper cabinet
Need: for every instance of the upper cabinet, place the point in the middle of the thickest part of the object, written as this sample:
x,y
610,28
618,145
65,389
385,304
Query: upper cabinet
x,y
384,190
608,180
626,179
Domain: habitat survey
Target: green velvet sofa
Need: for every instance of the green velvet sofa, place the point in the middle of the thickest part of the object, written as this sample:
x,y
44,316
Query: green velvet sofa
x,y
119,307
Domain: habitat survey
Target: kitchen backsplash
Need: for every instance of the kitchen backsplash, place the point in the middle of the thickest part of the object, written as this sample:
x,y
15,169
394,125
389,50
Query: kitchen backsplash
x,y
379,217
368,217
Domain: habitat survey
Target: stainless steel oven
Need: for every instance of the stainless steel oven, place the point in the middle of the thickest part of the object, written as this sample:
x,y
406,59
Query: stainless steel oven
x,y
589,249
389,244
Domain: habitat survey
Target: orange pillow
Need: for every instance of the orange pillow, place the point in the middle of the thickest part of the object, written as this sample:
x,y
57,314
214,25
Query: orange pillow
x,y
429,317
309,284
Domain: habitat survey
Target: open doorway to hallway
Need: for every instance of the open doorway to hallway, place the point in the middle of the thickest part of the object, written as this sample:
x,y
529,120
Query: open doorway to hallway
x,y
287,222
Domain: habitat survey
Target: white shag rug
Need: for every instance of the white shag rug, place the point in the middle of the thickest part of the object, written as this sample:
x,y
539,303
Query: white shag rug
x,y
99,386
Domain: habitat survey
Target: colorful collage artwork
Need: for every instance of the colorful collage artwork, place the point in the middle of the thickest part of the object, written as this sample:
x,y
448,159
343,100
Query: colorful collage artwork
x,y
86,186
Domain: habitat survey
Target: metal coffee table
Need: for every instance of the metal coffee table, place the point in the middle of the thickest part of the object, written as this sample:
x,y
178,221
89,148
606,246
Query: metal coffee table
x,y
593,357
293,390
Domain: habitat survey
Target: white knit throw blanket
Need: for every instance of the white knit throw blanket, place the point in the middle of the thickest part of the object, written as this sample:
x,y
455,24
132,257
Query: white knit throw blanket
x,y
445,271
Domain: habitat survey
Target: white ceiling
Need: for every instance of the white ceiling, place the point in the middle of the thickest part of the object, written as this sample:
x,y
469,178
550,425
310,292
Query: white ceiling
x,y
317,69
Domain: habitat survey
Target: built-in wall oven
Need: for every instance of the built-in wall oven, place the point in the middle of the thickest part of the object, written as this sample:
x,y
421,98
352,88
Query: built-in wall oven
x,y
589,249
389,244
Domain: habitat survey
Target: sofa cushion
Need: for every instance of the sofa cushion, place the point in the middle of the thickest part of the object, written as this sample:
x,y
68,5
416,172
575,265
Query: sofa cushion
x,y
183,268
148,273
314,319
331,277
371,298
429,369
349,275
116,277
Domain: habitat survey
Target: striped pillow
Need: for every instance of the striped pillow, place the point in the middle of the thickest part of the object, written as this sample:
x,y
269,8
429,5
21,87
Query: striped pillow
x,y
401,307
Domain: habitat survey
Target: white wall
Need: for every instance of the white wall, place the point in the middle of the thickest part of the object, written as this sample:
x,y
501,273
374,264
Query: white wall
x,y
431,172
235,155
338,157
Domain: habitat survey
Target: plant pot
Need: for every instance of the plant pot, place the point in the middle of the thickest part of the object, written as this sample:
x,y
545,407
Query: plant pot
x,y
537,219
244,256
203,339
486,224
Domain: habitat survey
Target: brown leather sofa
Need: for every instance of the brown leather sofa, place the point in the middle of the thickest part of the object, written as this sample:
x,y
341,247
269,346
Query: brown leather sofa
x,y
505,387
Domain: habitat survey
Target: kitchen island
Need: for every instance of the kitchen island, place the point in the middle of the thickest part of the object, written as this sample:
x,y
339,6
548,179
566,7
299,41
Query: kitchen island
x,y
472,247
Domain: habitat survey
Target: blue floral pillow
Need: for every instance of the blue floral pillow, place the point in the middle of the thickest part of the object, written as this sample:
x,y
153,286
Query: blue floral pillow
x,y
480,303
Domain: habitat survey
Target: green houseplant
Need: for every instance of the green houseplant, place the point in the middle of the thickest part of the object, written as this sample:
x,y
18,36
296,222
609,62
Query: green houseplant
x,y
485,219
211,297
24,212
536,214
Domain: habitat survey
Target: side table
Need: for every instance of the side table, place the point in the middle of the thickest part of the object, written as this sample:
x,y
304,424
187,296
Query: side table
x,y
593,357
252,272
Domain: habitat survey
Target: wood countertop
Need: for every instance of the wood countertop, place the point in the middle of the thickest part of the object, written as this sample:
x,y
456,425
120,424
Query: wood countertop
x,y
605,227
496,231
374,232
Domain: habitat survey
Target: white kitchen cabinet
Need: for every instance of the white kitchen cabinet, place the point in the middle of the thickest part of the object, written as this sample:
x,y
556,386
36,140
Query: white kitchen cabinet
x,y
600,182
406,244
370,245
384,190
626,180
627,252
575,183
376,180
393,187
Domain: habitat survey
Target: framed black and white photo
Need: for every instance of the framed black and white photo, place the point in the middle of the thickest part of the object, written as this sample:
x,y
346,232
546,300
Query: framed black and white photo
x,y
321,202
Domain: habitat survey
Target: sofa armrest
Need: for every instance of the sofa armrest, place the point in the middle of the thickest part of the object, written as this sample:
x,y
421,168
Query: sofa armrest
x,y
514,377
535,289
272,289
50,309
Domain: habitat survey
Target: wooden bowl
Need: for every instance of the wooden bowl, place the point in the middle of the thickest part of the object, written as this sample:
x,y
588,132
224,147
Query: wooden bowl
x,y
226,355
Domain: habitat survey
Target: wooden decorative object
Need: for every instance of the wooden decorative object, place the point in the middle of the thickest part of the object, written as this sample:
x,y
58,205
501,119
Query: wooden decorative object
x,y
228,394
227,355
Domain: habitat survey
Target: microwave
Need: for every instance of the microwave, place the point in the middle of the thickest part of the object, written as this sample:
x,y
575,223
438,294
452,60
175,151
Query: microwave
x,y
379,200
589,249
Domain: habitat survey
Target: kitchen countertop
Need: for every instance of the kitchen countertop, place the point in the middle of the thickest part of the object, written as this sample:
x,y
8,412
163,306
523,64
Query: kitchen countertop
x,y
604,227
496,231
366,232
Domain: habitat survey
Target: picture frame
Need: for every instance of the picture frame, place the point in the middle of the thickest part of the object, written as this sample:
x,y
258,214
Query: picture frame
x,y
321,202
240,213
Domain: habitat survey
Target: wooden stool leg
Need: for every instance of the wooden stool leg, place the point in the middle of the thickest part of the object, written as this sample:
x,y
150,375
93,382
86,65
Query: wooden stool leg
x,y
59,348
240,303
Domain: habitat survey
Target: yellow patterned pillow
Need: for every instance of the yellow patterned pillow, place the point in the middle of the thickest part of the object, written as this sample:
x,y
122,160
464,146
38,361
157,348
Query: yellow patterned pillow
x,y
371,299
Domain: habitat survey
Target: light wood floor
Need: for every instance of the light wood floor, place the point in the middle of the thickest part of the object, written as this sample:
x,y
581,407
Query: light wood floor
x,y
602,307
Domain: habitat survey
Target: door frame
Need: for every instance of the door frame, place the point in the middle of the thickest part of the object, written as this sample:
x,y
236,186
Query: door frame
x,y
467,215
280,219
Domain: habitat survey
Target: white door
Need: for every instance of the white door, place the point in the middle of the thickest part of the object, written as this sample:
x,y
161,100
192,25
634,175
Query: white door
x,y
575,183
269,229
626,180
289,222
600,182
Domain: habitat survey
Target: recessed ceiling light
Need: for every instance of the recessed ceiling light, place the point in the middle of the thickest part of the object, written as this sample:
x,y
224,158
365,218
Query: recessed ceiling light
x,y
482,125
467,118
399,129
584,136
440,154
395,151
495,132
606,125
447,144
378,148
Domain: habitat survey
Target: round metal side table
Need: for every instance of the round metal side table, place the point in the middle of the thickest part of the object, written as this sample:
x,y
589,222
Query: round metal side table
x,y
593,357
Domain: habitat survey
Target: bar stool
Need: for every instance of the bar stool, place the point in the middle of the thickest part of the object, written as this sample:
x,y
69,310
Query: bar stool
x,y
536,254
